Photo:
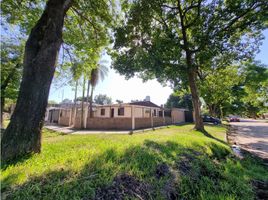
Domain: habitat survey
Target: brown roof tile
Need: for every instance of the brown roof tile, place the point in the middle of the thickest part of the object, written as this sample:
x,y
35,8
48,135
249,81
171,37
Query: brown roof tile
x,y
145,103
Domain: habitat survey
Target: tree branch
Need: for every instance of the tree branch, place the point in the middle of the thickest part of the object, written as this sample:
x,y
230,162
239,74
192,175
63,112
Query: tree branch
x,y
237,18
170,7
198,6
9,77
69,54
85,18
192,6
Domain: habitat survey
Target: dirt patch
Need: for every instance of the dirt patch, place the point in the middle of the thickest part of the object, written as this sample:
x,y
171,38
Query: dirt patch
x,y
170,192
261,189
162,170
124,187
184,163
170,188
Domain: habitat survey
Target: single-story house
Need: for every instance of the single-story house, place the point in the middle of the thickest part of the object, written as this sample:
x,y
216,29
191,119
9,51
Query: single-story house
x,y
125,116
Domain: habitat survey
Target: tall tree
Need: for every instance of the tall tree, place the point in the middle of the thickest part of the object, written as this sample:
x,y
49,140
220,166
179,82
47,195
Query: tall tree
x,y
173,40
86,23
255,87
96,74
216,88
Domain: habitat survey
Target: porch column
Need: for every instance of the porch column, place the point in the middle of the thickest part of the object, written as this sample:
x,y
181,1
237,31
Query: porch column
x,y
70,118
59,116
132,117
163,114
85,116
152,120
74,117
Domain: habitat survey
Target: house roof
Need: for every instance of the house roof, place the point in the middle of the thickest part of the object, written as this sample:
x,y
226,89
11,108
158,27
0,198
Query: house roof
x,y
144,103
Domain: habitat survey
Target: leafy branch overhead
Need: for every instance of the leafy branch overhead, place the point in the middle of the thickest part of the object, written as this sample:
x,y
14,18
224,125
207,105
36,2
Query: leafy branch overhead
x,y
155,35
176,41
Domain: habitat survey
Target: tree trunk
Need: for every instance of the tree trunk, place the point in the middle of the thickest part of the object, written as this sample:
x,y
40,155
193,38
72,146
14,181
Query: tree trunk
x,y
88,87
23,134
191,70
82,105
2,108
213,110
75,96
221,112
210,110
196,102
91,102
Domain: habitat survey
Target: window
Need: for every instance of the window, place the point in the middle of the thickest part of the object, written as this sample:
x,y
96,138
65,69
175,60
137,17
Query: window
x,y
154,112
102,111
167,113
121,111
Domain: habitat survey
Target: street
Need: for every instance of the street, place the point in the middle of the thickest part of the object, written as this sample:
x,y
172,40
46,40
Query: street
x,y
251,135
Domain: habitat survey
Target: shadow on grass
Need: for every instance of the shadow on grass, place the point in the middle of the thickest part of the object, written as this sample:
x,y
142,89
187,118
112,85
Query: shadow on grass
x,y
20,159
205,132
199,175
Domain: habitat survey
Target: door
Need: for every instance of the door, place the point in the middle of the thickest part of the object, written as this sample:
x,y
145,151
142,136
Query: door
x,y
112,112
188,116
50,116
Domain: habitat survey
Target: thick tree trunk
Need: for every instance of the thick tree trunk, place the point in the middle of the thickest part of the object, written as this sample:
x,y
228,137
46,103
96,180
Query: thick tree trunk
x,y
192,74
23,135
196,102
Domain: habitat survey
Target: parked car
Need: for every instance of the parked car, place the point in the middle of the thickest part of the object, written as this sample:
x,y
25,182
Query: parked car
x,y
210,119
234,119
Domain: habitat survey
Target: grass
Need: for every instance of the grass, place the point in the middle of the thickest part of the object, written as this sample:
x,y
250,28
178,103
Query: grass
x,y
75,166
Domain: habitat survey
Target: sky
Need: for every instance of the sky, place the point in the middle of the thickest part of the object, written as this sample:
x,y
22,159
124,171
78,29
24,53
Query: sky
x,y
116,87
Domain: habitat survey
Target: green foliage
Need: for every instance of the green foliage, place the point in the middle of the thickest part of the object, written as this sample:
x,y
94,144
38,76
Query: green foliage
x,y
85,34
102,99
240,89
119,101
153,43
75,166
255,87
11,69
216,87
176,100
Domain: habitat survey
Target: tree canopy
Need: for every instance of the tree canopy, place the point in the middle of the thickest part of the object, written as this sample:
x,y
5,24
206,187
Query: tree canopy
x,y
175,40
236,89
102,99
179,100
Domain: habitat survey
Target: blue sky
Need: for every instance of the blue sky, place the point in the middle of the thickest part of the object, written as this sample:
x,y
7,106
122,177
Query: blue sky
x,y
117,87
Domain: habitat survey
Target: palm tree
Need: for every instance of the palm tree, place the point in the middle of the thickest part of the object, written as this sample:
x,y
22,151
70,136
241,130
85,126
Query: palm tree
x,y
75,75
96,74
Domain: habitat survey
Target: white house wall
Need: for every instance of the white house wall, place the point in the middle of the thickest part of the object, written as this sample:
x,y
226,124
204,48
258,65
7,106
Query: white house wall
x,y
139,111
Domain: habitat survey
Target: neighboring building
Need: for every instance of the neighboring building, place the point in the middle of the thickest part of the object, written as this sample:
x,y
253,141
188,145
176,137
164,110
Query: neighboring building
x,y
125,116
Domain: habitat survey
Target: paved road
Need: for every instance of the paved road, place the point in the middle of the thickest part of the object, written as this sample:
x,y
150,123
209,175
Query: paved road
x,y
252,135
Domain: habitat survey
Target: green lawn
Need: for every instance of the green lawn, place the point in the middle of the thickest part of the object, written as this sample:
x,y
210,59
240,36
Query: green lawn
x,y
82,166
